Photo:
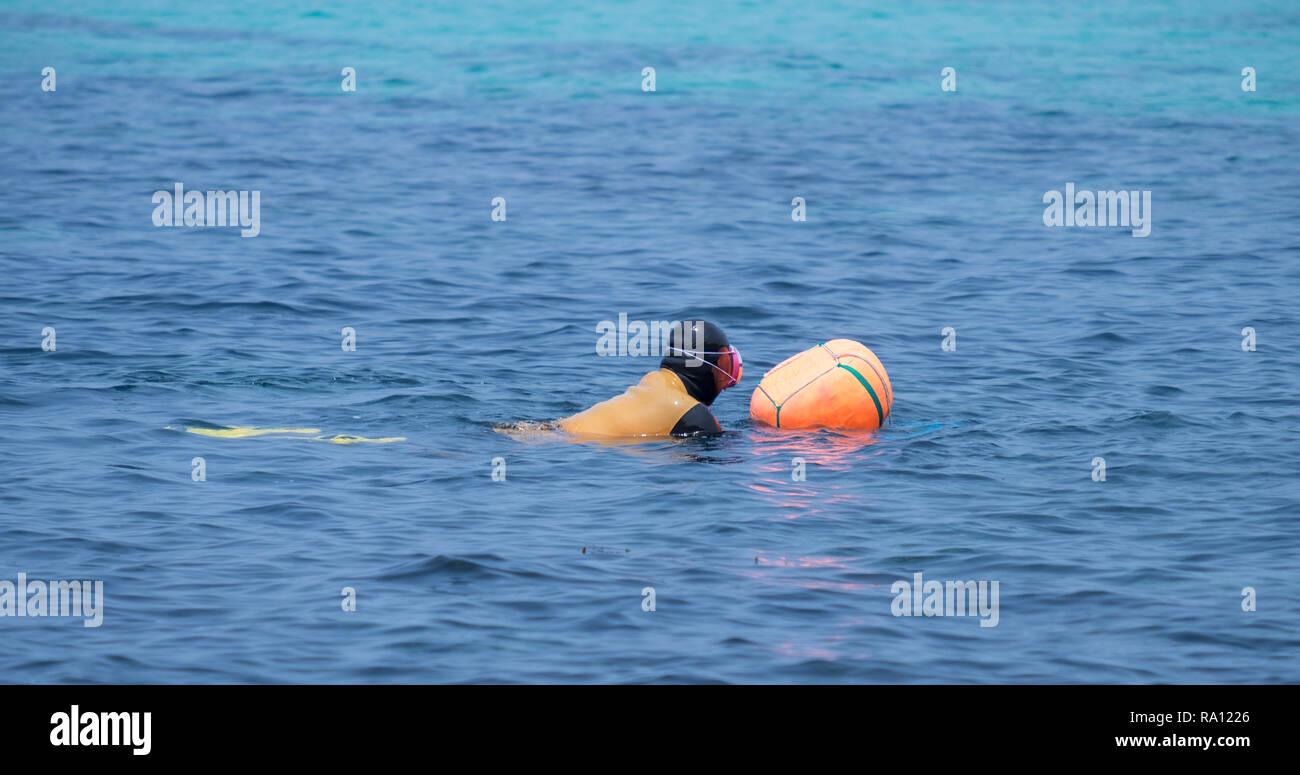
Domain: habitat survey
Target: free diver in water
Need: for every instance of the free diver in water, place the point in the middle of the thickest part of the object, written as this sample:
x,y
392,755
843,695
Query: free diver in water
x,y
698,364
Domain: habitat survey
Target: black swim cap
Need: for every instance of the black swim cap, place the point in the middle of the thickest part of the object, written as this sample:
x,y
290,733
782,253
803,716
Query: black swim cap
x,y
698,336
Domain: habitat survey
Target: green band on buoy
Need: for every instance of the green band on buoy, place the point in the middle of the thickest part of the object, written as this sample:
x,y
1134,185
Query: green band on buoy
x,y
866,385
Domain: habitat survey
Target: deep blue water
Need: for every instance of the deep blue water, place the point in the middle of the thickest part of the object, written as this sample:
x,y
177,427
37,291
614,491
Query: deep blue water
x,y
924,211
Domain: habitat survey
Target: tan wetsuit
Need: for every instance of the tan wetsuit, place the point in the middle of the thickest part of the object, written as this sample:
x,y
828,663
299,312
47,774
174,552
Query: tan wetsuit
x,y
658,405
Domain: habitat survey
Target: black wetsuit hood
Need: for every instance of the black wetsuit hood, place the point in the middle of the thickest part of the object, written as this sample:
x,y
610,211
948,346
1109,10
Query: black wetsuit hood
x,y
699,336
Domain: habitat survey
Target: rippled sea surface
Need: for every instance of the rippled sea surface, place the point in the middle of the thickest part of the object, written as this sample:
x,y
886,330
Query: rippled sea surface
x,y
924,211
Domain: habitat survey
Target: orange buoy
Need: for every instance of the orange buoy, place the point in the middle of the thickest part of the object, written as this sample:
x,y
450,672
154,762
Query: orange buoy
x,y
837,384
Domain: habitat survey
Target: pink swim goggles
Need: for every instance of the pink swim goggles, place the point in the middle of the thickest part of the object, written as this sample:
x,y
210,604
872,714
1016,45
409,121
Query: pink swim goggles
x,y
727,371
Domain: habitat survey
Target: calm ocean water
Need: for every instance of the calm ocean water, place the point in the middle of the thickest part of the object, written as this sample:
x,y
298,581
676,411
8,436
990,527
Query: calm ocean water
x,y
924,211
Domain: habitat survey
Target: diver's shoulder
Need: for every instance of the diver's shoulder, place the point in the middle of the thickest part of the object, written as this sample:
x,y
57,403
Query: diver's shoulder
x,y
660,378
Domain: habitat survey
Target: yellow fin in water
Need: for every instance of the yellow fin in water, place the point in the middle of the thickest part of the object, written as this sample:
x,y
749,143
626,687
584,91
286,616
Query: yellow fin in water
x,y
306,434
244,432
345,439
